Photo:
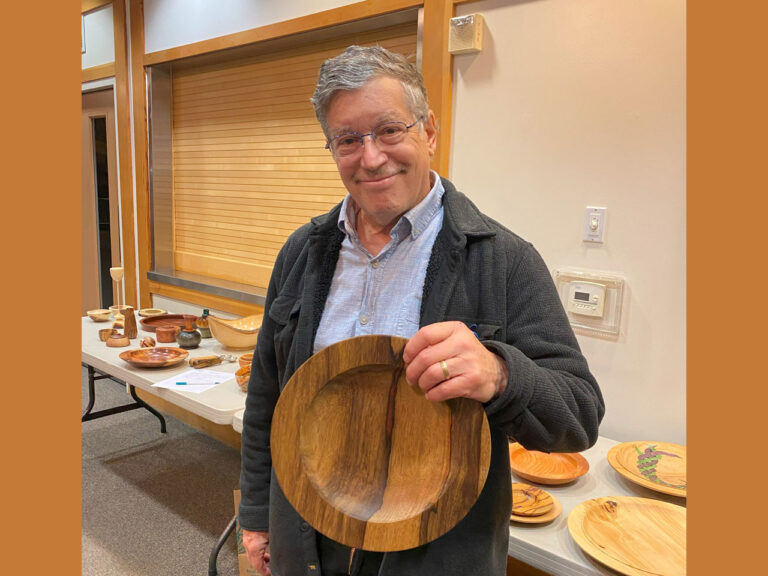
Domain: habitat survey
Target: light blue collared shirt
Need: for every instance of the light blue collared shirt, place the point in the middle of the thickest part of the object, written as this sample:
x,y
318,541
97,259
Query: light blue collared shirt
x,y
381,294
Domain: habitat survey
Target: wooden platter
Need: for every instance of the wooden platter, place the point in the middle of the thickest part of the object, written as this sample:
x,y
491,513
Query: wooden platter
x,y
660,466
158,357
366,459
532,505
553,468
634,536
150,323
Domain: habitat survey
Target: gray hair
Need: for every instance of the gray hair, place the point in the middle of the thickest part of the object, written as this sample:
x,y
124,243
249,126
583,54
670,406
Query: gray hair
x,y
356,66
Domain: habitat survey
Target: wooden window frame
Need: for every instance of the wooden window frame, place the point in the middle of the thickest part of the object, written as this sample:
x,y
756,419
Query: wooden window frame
x,y
437,65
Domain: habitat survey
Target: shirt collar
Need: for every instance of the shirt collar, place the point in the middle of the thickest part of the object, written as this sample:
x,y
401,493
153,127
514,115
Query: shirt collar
x,y
413,222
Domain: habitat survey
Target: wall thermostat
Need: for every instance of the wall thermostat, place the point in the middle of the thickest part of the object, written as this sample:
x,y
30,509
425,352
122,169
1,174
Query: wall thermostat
x,y
586,298
592,300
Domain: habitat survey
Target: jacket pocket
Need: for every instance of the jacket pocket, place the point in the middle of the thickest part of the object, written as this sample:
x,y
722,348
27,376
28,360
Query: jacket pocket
x,y
284,312
485,331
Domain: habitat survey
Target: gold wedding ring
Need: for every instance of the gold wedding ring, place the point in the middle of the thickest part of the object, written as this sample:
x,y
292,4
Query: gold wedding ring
x,y
444,366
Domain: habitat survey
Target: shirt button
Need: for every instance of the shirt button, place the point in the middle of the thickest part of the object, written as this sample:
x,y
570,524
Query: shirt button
x,y
375,263
363,319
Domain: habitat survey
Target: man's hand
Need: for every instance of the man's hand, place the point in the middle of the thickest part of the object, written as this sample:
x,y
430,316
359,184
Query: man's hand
x,y
255,544
447,360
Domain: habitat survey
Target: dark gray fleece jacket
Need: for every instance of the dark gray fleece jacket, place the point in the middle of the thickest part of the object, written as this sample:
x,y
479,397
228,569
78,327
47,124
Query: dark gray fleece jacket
x,y
479,273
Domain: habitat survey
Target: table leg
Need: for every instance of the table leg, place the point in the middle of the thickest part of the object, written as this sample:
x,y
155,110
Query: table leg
x,y
139,403
216,549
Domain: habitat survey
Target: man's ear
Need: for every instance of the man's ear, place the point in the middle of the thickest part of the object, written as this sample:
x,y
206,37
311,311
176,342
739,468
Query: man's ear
x,y
430,128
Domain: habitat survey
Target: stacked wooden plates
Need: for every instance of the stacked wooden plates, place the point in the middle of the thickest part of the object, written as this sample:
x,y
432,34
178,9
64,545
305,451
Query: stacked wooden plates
x,y
546,468
634,536
660,466
531,505
366,459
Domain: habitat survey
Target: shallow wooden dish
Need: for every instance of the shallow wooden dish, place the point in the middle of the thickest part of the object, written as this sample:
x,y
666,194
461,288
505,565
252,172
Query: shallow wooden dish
x,y
240,333
532,505
151,323
634,536
158,357
660,466
366,459
552,469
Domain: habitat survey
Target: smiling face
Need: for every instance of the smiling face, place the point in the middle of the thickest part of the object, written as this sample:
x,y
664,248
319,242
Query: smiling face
x,y
384,181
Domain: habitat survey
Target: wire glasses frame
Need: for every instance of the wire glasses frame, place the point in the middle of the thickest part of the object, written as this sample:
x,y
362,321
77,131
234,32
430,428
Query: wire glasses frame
x,y
388,134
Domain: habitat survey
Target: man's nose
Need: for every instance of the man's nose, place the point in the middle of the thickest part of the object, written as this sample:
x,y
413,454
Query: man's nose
x,y
372,156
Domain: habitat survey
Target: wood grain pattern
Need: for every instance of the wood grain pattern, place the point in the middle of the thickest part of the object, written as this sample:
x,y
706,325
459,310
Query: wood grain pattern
x,y
553,468
154,357
529,500
634,536
660,466
366,459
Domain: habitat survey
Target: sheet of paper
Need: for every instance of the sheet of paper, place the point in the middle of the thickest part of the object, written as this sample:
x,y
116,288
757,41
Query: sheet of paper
x,y
194,380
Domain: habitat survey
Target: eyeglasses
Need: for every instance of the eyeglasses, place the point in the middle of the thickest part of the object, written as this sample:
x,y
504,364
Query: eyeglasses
x,y
387,134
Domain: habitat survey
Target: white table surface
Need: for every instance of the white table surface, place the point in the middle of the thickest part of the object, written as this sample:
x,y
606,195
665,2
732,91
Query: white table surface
x,y
217,404
549,547
237,421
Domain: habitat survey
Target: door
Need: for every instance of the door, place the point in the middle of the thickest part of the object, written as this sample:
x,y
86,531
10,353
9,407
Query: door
x,y
100,203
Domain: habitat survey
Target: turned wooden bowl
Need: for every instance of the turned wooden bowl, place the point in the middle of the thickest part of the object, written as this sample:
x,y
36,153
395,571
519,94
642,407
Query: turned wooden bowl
x,y
240,333
154,357
100,315
245,359
242,376
366,459
546,468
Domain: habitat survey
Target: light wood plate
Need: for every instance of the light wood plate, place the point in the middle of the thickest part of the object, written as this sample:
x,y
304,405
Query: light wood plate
x,y
553,468
634,536
159,357
533,505
366,459
660,466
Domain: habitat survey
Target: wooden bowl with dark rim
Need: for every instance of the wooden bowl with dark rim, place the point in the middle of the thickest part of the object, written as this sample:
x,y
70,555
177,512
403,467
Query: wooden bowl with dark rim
x,y
150,323
366,459
158,357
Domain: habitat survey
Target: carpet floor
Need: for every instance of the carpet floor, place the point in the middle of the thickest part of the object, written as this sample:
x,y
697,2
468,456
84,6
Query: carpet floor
x,y
152,504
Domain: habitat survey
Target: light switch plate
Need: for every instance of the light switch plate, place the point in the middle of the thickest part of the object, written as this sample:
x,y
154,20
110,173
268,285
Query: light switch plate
x,y
594,224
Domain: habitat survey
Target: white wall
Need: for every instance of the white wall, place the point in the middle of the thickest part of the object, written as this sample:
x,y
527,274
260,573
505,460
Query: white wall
x,y
582,103
171,23
99,37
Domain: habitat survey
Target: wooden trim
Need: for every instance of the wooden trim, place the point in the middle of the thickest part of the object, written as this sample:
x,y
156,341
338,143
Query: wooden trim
x,y
517,568
123,112
222,432
141,149
437,70
88,5
334,16
204,299
97,72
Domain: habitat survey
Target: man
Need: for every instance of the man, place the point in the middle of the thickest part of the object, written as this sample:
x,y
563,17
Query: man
x,y
405,253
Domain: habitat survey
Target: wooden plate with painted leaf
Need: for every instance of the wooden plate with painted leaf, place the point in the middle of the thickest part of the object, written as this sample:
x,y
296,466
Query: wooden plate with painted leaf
x,y
634,536
546,468
660,466
366,459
